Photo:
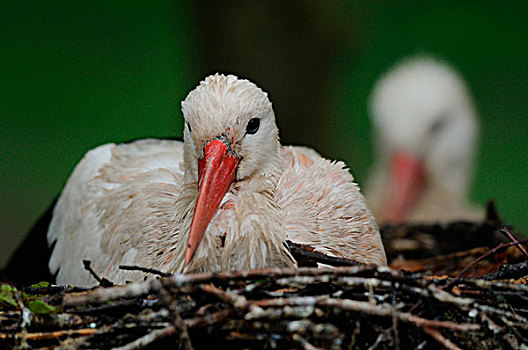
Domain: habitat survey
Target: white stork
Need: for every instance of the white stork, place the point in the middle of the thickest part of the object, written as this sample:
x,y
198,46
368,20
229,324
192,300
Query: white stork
x,y
426,129
227,198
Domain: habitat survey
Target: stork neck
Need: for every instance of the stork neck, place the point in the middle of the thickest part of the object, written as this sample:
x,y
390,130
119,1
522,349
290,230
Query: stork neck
x,y
275,167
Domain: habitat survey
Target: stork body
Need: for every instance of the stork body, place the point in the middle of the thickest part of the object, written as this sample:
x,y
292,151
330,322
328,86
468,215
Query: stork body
x,y
227,198
426,131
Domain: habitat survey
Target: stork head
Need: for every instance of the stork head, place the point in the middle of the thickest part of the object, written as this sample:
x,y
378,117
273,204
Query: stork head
x,y
426,130
230,135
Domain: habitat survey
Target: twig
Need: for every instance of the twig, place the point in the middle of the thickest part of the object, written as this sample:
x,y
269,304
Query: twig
x,y
209,319
55,334
507,233
104,307
445,297
492,326
436,335
148,338
103,282
208,277
523,322
102,295
145,269
482,257
381,338
305,344
236,301
288,312
300,253
349,281
480,283
364,307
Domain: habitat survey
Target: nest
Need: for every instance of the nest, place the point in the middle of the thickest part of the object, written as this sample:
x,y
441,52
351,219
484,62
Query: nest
x,y
434,296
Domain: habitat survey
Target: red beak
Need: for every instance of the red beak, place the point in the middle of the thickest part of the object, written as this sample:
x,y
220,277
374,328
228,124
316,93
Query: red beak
x,y
405,185
216,173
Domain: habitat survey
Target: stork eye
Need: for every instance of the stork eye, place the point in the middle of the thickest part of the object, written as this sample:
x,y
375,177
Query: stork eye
x,y
189,127
438,125
253,126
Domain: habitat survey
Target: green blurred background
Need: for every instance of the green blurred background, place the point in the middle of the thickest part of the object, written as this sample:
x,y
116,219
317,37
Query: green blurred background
x,y
77,75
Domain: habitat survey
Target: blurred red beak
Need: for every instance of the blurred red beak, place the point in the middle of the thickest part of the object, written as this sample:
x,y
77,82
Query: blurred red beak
x,y
216,173
407,179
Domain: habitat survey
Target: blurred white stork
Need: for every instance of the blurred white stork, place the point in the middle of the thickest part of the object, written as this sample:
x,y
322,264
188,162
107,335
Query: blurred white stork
x,y
426,130
227,198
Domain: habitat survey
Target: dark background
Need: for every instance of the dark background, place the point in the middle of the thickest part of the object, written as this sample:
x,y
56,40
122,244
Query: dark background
x,y
77,75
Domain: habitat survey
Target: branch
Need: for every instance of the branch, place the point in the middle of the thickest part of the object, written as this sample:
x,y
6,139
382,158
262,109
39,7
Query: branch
x,y
145,269
482,257
103,282
507,233
364,307
436,335
55,334
148,338
307,257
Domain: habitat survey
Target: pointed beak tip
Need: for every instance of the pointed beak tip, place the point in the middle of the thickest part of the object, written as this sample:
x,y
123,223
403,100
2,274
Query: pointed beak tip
x,y
188,256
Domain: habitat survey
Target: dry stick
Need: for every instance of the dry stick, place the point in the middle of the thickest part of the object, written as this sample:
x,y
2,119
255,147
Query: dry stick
x,y
145,269
298,251
54,334
523,322
241,335
492,326
441,295
104,307
350,281
415,306
284,329
364,307
148,338
209,319
507,233
440,338
492,285
102,295
236,301
305,344
103,282
182,279
300,312
480,258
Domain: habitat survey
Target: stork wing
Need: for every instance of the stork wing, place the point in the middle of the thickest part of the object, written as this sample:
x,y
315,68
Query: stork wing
x,y
116,208
324,208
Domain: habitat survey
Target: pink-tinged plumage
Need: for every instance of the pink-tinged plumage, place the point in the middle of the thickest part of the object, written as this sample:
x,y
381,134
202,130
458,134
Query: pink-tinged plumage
x,y
134,203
